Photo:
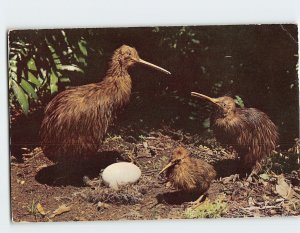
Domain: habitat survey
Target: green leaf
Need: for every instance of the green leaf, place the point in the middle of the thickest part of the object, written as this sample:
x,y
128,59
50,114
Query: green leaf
x,y
53,83
28,88
69,68
21,97
82,60
192,118
31,65
195,41
12,76
54,54
64,80
13,64
238,100
82,47
206,123
33,79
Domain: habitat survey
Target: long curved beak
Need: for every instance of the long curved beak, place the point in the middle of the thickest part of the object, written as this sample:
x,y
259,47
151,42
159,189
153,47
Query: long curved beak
x,y
205,97
166,167
154,66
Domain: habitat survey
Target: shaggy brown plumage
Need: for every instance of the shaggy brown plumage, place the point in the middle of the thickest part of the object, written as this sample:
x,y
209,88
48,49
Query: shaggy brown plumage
x,y
77,119
248,130
189,174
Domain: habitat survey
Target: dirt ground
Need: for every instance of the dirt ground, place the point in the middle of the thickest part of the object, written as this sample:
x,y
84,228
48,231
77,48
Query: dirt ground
x,y
41,192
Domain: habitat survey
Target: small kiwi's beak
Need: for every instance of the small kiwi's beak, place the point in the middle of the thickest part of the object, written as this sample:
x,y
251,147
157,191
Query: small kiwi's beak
x,y
166,167
205,97
153,66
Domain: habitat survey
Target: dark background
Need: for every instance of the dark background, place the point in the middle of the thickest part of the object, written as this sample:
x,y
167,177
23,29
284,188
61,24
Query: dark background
x,y
255,62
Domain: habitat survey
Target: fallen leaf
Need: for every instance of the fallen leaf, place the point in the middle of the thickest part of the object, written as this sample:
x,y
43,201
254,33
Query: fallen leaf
x,y
103,205
279,200
264,176
168,185
80,219
40,209
273,212
145,144
292,205
256,214
60,210
251,201
283,189
20,181
231,178
265,197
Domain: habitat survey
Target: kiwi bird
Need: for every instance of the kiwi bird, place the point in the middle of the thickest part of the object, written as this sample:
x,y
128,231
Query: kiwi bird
x,y
188,174
76,120
248,130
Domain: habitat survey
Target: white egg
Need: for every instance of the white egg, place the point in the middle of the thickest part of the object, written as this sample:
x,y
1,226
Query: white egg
x,y
122,173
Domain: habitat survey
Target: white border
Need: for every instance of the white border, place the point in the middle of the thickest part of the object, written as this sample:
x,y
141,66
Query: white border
x,y
23,14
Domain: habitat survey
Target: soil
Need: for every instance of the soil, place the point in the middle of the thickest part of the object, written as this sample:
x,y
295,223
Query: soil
x,y
39,187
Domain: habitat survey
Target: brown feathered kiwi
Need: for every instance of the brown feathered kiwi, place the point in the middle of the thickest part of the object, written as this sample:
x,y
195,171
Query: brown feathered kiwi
x,y
248,130
77,119
189,174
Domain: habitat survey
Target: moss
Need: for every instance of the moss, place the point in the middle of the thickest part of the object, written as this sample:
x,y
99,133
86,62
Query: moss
x,y
208,209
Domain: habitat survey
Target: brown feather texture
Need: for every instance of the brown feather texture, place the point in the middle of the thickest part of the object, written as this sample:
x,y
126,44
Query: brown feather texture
x,y
248,130
189,174
76,120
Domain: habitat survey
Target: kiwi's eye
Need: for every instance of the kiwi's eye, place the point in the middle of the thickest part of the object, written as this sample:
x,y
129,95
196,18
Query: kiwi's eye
x,y
129,53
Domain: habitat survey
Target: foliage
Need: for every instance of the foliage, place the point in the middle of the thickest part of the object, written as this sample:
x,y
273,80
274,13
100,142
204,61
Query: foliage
x,y
283,162
255,63
38,62
208,209
238,100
